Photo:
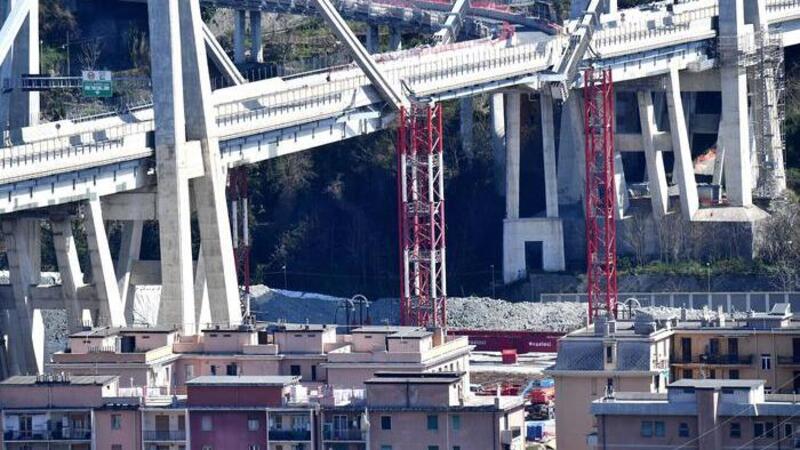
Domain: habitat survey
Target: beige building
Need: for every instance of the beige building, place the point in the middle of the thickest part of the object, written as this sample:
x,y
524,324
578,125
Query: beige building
x,y
614,356
698,415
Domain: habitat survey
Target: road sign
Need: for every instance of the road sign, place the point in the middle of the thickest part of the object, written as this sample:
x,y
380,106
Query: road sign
x,y
97,83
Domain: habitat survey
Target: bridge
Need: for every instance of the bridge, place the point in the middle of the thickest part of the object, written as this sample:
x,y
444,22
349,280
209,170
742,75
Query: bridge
x,y
166,160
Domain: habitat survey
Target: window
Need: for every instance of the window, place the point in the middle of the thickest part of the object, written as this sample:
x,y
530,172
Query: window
x,y
189,371
609,354
206,424
455,422
116,447
683,429
456,447
386,422
254,447
253,424
768,389
788,430
712,374
759,429
207,447
770,429
733,374
736,430
313,373
433,423
386,447
766,361
116,421
294,370
659,429
213,369
433,447
647,428
231,370
687,373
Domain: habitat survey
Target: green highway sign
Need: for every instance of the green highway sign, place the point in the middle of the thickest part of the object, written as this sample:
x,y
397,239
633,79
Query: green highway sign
x,y
97,83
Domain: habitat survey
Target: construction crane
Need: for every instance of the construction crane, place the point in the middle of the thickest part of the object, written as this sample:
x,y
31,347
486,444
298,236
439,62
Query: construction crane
x,y
420,184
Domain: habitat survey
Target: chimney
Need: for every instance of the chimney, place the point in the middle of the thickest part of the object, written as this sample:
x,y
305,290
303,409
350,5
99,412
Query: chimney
x,y
438,336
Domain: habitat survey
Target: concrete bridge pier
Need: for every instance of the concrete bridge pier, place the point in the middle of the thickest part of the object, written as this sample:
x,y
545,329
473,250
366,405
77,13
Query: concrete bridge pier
x,y
23,325
466,112
239,31
520,233
395,39
654,157
683,168
256,38
69,269
129,252
112,310
373,39
498,138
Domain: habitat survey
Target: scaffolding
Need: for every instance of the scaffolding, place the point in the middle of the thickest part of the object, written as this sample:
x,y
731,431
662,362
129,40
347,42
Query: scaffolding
x,y
601,241
240,227
760,55
423,289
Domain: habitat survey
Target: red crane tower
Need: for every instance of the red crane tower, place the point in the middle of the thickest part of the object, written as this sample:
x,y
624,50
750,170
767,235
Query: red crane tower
x,y
601,242
420,180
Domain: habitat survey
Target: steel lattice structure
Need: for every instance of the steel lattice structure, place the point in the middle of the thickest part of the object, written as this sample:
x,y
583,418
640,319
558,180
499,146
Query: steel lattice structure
x,y
601,242
423,288
239,198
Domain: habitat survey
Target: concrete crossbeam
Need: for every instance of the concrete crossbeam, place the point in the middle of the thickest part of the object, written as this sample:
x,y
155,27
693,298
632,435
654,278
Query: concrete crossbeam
x,y
512,107
683,168
653,155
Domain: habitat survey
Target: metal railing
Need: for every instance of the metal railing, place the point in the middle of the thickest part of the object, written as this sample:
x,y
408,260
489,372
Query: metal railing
x,y
350,434
793,360
67,434
164,435
289,435
715,359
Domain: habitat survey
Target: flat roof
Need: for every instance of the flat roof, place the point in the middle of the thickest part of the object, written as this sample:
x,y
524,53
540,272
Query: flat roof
x,y
79,380
301,327
109,331
419,378
387,329
244,380
716,384
410,334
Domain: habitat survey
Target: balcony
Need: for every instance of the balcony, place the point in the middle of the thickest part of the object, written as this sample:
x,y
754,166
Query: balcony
x,y
289,435
68,434
351,434
164,435
789,360
715,359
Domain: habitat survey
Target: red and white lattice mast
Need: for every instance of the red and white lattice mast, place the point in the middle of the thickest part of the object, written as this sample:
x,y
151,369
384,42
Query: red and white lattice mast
x,y
420,178
601,242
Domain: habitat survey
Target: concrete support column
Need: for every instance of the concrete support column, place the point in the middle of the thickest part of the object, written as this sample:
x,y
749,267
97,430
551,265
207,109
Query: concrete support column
x,y
467,125
733,131
18,108
571,152
174,215
112,312
512,101
239,30
498,138
256,40
373,39
70,270
395,39
654,160
684,168
549,153
209,189
129,249
24,324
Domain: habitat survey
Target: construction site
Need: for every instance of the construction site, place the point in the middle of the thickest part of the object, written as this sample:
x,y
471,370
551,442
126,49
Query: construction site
x,y
168,233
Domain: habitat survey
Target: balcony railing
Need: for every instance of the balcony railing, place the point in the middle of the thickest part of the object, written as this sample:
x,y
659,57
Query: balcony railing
x,y
289,435
351,434
721,359
69,434
164,435
789,360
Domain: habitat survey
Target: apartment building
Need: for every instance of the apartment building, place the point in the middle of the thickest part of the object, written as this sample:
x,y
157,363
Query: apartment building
x,y
396,411
160,360
607,356
644,354
698,414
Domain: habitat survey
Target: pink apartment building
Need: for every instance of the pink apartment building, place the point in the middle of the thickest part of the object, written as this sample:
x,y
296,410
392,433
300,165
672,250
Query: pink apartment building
x,y
161,361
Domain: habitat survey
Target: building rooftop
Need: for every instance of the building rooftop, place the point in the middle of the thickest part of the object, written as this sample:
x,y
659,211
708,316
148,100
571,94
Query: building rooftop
x,y
716,384
109,331
300,327
82,380
415,378
410,334
244,380
388,329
